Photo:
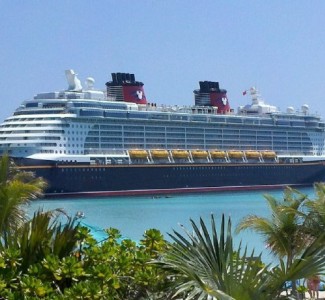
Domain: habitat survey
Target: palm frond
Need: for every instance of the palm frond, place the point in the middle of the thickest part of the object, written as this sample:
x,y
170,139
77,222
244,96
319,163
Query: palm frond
x,y
206,264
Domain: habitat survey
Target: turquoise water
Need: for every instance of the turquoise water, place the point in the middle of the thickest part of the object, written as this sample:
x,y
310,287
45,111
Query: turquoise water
x,y
133,215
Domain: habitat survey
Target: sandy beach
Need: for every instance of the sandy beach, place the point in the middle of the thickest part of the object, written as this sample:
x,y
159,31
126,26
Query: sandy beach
x,y
321,296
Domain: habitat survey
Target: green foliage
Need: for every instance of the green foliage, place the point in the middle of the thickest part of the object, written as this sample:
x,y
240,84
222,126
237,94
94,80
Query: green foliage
x,y
302,289
114,269
283,231
315,215
16,189
294,231
153,242
51,256
44,234
205,264
34,287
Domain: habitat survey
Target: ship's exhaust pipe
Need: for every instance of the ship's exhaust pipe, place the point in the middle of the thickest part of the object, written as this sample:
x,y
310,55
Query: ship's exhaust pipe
x,y
124,87
210,94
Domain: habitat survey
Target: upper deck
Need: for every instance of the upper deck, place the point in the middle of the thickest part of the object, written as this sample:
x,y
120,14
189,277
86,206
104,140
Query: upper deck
x,y
77,121
95,104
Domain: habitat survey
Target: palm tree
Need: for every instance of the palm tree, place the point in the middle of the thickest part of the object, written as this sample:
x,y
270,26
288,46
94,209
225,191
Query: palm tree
x,y
45,234
315,215
206,266
16,189
283,231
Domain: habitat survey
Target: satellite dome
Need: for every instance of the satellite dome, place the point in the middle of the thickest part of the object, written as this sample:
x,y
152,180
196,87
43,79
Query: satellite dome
x,y
290,110
90,83
305,108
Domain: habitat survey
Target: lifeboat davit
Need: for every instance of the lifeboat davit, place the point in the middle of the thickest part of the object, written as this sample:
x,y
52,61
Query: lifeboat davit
x,y
218,154
235,154
159,153
138,153
199,154
252,154
180,153
268,154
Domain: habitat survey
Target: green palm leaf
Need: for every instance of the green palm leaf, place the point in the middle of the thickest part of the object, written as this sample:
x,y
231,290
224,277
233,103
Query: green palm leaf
x,y
16,190
205,264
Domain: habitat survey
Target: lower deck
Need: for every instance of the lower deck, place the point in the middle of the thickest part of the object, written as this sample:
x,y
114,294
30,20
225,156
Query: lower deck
x,y
139,179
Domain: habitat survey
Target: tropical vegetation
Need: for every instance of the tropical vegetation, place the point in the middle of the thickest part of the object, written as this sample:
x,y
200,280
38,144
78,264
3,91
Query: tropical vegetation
x,y
50,255
295,223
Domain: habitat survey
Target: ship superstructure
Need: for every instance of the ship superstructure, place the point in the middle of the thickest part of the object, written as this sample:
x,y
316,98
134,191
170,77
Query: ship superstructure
x,y
120,127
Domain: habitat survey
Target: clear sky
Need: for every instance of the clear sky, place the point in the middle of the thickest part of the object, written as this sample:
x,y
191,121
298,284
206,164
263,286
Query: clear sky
x,y
170,45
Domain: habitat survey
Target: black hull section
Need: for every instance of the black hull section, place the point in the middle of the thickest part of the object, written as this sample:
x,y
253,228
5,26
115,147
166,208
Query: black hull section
x,y
158,179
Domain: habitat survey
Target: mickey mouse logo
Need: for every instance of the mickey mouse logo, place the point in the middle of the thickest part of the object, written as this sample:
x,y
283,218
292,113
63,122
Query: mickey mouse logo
x,y
139,94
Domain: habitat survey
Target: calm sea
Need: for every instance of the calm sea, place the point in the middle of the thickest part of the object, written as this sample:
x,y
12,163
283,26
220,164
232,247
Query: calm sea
x,y
133,215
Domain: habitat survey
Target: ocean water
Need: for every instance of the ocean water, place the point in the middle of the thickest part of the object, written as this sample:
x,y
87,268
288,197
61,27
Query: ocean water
x,y
133,215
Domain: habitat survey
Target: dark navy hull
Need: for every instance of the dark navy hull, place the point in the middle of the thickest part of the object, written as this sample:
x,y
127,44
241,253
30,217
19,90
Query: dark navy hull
x,y
174,178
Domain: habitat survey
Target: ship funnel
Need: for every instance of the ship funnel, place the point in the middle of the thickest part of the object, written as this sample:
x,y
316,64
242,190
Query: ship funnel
x,y
210,94
124,87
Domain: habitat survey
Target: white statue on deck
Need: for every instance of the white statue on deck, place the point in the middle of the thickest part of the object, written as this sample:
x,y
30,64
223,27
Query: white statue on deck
x,y
73,81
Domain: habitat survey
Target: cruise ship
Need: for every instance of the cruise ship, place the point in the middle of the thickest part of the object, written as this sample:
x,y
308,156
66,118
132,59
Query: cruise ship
x,y
113,141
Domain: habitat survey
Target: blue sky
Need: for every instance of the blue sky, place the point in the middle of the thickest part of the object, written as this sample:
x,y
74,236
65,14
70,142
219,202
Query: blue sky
x,y
278,46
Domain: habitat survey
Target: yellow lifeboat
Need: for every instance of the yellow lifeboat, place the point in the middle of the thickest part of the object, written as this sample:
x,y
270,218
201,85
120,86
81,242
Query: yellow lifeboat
x,y
199,154
235,154
252,154
138,153
268,154
180,153
218,154
159,153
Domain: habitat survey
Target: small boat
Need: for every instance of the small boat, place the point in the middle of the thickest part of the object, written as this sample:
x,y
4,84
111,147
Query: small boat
x,y
159,153
218,154
138,153
180,153
235,154
268,154
199,154
252,154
